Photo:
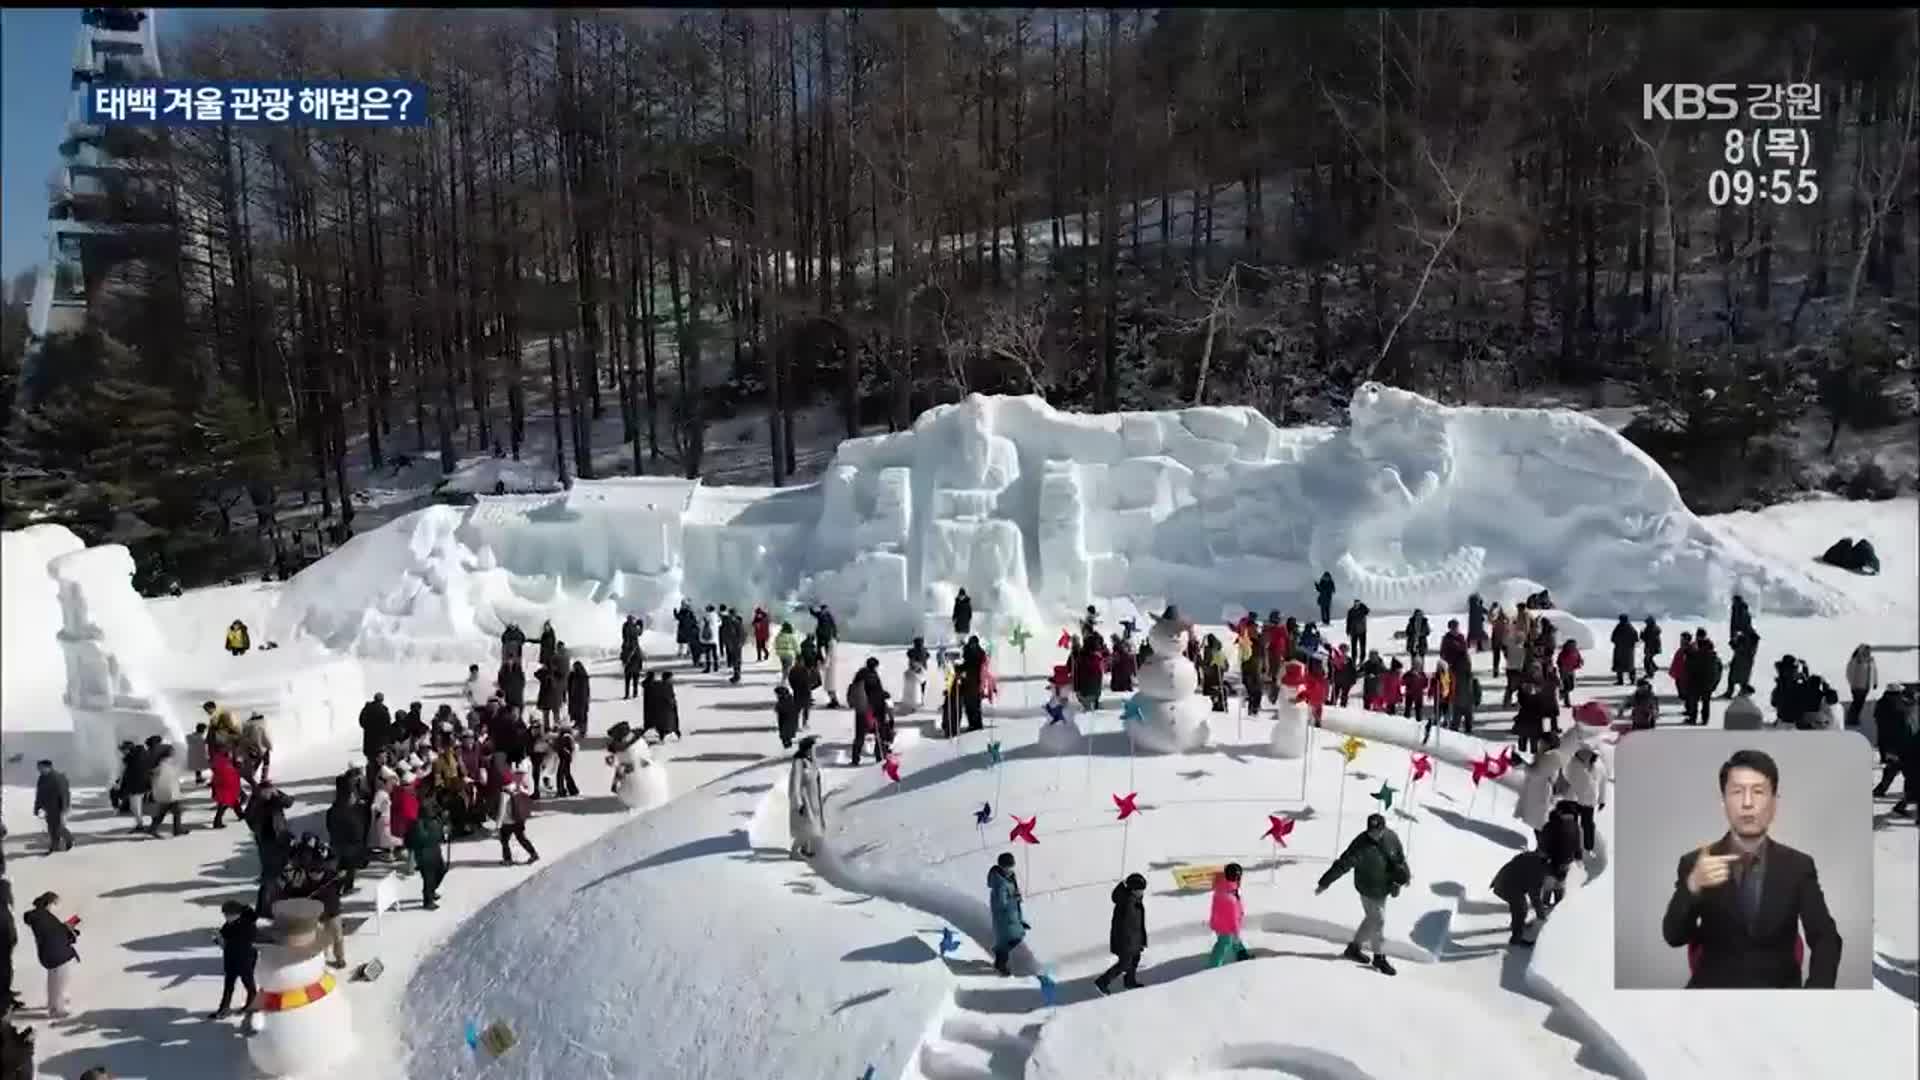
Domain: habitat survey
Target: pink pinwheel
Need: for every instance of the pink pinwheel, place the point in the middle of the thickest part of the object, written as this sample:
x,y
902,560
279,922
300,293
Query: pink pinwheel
x,y
1278,827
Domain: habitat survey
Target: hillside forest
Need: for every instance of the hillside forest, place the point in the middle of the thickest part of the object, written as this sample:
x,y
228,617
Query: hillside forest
x,y
622,228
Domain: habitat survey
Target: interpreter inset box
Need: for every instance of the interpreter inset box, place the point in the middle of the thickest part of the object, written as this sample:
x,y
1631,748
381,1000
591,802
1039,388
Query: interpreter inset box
x,y
1743,860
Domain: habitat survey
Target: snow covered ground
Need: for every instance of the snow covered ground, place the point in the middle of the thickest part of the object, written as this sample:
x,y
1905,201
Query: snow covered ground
x,y
683,942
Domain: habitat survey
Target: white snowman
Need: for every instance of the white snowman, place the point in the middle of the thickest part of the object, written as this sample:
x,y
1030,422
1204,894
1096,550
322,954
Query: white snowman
x,y
1171,717
639,782
1291,716
1060,734
303,1023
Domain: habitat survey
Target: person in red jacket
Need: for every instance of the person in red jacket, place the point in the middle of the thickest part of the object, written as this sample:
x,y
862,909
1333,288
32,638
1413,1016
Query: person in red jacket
x,y
405,808
1415,689
1274,637
225,785
1677,668
1391,685
762,629
1315,689
1568,662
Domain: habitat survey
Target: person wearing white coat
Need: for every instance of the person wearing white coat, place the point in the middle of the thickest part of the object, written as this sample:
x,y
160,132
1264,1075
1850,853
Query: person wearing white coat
x,y
1535,803
1586,774
474,689
806,805
1863,677
165,796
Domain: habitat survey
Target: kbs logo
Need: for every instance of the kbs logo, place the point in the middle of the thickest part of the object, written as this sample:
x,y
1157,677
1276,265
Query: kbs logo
x,y
1689,101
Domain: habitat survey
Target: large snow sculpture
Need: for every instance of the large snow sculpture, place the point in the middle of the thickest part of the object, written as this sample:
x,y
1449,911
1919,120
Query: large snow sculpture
x,y
1172,717
109,642
1292,718
1037,512
304,1022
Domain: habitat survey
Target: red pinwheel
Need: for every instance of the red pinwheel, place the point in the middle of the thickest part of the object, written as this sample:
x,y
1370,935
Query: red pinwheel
x,y
891,766
1023,830
1481,766
1278,828
1126,805
1422,765
1066,640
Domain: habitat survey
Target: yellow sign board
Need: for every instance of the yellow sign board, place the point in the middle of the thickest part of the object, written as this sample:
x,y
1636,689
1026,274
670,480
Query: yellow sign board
x,y
1197,877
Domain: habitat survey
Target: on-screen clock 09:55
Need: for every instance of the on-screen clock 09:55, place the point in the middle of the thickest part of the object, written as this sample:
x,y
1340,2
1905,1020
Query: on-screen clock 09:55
x,y
1777,187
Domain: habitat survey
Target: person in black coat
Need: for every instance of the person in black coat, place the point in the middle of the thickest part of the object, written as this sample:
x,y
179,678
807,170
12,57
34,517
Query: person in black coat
x,y
53,943
786,715
512,682
1743,900
1416,634
348,822
239,954
52,798
1477,623
1703,674
1650,647
669,706
972,683
266,818
579,698
1624,638
136,781
1357,615
1524,883
1740,618
1746,646
376,726
1898,744
513,643
1127,936
962,615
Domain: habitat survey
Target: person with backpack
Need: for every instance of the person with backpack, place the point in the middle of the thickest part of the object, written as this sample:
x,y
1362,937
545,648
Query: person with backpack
x,y
1227,919
1380,871
1127,934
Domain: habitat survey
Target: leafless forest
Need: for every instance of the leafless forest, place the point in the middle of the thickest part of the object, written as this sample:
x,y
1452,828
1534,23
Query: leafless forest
x,y
674,218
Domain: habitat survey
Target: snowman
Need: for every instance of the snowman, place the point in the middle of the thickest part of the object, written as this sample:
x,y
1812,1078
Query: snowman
x,y
1291,715
303,1023
639,782
1060,734
1171,718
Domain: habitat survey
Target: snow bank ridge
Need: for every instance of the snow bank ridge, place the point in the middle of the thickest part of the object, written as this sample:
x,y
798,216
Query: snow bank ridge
x,y
1037,513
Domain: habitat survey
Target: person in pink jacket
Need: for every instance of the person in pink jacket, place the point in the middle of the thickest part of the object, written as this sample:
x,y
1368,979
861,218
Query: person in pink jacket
x,y
1229,915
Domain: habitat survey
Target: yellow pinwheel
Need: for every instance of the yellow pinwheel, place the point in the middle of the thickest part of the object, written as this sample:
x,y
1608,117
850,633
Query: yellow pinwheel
x,y
1351,748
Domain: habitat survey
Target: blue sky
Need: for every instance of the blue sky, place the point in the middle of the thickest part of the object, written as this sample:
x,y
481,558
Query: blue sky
x,y
36,49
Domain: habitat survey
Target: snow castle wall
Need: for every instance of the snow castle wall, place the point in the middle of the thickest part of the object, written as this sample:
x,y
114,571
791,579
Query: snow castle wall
x,y
110,644
1037,513
33,693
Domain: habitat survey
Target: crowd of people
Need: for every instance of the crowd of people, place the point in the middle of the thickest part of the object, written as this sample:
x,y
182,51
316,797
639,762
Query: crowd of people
x,y
423,784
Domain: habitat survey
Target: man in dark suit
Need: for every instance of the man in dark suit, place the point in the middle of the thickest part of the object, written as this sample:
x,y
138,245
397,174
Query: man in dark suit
x,y
1742,900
